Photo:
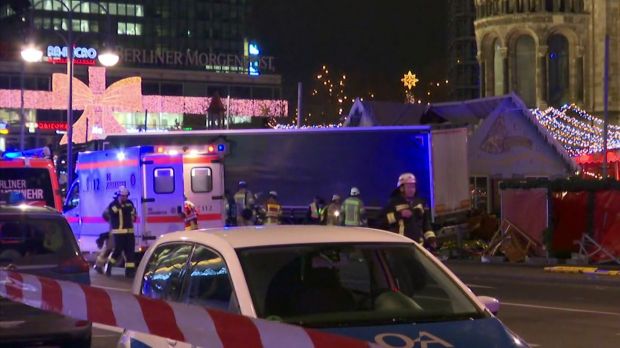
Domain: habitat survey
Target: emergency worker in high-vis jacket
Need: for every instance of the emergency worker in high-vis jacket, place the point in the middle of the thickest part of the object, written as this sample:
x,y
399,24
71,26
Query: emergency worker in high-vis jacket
x,y
244,200
353,211
405,213
122,217
190,215
273,209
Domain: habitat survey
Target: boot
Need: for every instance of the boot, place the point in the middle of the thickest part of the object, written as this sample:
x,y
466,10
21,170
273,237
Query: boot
x,y
98,268
107,269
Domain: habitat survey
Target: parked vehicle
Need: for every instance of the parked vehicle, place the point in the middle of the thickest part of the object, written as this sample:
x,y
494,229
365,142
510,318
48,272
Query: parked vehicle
x,y
157,183
34,177
303,163
368,284
38,240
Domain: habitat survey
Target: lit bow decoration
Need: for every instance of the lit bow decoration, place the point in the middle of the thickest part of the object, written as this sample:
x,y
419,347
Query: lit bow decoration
x,y
97,120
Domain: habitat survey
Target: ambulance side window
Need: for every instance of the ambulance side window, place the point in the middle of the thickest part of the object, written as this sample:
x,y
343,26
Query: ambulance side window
x,y
163,180
202,179
73,199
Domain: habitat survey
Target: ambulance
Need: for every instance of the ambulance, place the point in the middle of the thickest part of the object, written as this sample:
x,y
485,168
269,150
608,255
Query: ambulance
x,y
158,184
32,175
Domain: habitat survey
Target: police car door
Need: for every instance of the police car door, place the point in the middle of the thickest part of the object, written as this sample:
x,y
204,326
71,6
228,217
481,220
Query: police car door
x,y
162,199
204,186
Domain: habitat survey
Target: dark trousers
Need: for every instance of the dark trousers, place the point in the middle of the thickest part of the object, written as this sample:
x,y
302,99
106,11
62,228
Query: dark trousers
x,y
124,243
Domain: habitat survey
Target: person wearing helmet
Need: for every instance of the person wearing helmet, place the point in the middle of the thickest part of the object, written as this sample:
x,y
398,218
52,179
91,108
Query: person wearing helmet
x,y
315,211
105,241
430,242
353,211
122,217
331,214
273,209
244,200
407,214
189,214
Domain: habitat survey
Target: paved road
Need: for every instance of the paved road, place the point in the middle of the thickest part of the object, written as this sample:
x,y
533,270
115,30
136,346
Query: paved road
x,y
546,309
550,309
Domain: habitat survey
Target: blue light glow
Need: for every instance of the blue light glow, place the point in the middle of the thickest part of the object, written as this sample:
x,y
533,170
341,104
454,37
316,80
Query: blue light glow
x,y
253,49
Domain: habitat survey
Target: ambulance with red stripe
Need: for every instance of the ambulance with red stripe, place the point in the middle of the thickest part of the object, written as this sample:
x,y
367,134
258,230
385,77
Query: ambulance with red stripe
x,y
157,182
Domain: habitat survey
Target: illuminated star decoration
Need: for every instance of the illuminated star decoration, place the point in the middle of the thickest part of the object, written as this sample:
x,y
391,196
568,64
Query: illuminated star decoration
x,y
409,80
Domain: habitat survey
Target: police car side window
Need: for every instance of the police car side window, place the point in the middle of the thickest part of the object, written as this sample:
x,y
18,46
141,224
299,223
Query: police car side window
x,y
202,180
209,281
164,274
163,180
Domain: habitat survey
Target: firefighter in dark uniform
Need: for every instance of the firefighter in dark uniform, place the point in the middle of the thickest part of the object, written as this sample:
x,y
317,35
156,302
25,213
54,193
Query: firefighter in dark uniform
x,y
407,214
122,217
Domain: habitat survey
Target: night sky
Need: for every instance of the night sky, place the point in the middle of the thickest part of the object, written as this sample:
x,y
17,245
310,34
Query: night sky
x,y
373,42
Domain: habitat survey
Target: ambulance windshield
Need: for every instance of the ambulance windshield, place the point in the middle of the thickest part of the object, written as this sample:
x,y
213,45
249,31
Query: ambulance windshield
x,y
34,184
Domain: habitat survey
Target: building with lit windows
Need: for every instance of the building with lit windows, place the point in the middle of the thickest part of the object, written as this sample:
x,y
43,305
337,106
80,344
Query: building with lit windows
x,y
549,52
178,48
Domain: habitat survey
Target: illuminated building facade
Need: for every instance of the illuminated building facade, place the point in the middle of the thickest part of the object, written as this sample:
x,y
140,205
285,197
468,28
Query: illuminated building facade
x,y
179,48
549,52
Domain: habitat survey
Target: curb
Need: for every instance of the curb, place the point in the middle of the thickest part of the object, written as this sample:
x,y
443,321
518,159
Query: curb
x,y
582,270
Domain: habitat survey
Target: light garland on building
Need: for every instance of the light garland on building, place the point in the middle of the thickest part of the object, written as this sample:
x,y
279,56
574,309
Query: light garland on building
x,y
124,96
579,132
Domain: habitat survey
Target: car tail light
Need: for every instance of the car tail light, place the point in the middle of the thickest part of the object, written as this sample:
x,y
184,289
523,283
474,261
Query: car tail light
x,y
76,264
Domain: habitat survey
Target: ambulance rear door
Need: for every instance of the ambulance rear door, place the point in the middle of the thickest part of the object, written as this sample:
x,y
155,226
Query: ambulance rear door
x,y
162,196
204,186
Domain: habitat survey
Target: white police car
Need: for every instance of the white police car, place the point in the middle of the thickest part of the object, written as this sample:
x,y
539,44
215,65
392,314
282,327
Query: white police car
x,y
368,284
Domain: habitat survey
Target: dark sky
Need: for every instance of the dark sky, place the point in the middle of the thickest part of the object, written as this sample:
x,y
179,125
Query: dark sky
x,y
373,42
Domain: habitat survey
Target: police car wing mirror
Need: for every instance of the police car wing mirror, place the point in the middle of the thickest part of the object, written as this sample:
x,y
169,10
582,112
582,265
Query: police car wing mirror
x,y
491,303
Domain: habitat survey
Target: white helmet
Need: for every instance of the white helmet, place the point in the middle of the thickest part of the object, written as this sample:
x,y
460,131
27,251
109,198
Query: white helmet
x,y
123,191
405,178
335,198
273,193
429,234
355,191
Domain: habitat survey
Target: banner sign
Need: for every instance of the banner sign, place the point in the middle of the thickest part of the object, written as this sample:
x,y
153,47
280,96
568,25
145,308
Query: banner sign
x,y
194,58
81,55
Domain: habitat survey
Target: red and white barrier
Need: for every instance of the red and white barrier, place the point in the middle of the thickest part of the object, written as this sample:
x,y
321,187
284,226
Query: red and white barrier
x,y
187,323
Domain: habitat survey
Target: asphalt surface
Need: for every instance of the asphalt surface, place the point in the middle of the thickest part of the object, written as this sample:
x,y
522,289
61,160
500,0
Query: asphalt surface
x,y
550,309
546,309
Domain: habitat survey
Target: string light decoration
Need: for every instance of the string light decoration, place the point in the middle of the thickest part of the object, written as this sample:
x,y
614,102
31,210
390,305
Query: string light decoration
x,y
327,105
124,96
579,132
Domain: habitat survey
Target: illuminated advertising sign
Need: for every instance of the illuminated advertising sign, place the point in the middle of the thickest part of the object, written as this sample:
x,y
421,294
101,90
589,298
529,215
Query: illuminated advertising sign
x,y
53,126
81,55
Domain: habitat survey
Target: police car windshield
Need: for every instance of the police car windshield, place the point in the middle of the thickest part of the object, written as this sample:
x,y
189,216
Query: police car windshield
x,y
34,184
332,285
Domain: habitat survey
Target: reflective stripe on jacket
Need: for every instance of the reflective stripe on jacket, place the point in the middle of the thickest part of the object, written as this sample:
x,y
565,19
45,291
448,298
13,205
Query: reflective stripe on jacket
x,y
353,211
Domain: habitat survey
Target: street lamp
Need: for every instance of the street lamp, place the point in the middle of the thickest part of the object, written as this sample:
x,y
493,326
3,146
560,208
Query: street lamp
x,y
108,58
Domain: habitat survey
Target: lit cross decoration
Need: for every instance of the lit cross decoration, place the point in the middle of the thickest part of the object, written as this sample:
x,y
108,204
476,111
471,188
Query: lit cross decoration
x,y
409,80
99,103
